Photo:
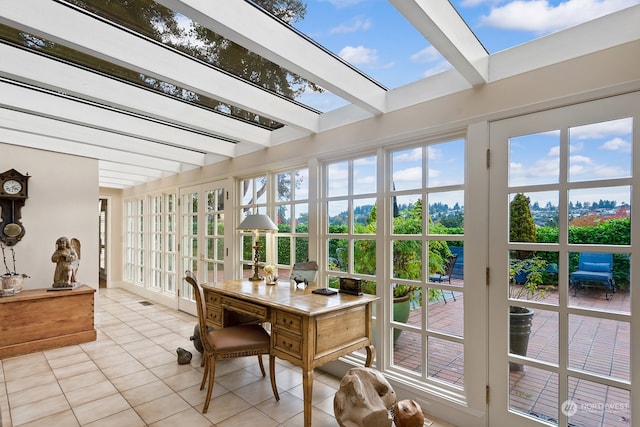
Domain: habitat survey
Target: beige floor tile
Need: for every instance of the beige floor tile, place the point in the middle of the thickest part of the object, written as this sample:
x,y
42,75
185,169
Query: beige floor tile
x,y
25,366
91,392
196,397
189,417
56,353
76,369
34,394
113,359
318,419
79,381
184,379
127,382
24,383
123,369
126,418
320,392
59,419
36,410
224,406
100,408
237,379
288,406
170,370
160,358
161,408
68,360
249,417
256,392
146,393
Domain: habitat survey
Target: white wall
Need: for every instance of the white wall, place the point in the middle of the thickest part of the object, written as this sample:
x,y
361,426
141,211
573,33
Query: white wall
x,y
63,201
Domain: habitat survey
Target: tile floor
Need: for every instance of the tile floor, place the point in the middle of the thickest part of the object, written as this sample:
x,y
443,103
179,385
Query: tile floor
x,y
130,377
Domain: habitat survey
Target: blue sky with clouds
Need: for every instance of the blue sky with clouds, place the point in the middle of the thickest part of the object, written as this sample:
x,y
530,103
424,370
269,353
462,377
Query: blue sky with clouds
x,y
375,38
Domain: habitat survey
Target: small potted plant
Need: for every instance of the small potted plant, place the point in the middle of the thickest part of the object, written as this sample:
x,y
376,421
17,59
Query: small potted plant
x,y
12,281
521,318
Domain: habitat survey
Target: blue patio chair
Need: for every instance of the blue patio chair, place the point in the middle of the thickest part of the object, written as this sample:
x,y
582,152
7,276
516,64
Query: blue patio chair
x,y
594,269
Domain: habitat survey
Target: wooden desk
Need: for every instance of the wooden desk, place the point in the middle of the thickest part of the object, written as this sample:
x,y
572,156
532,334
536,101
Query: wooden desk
x,y
307,329
35,320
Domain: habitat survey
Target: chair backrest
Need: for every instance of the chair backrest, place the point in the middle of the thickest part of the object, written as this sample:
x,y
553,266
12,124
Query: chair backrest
x,y
305,270
198,292
590,261
451,261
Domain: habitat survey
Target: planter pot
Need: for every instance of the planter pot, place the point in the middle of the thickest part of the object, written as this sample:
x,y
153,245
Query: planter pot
x,y
14,282
519,331
401,311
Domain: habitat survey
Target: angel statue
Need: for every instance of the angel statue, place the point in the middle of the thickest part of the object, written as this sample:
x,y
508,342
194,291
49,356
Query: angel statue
x,y
67,259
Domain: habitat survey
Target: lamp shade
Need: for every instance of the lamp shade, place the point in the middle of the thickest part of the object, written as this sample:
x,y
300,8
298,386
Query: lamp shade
x,y
257,222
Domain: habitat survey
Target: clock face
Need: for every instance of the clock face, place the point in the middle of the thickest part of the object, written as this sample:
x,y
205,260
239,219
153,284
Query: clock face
x,y
11,186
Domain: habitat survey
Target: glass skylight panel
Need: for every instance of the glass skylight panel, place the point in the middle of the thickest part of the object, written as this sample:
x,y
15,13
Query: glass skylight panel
x,y
500,25
56,50
180,32
373,37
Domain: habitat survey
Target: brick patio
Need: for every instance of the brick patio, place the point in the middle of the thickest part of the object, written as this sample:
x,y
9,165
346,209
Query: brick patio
x,y
597,346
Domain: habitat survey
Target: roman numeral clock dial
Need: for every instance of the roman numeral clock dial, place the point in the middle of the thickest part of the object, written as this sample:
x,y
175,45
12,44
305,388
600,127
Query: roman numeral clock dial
x,y
13,194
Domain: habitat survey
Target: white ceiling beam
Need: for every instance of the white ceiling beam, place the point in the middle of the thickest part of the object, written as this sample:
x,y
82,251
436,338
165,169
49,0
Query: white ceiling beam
x,y
44,142
22,65
123,48
272,39
109,166
72,132
74,111
442,26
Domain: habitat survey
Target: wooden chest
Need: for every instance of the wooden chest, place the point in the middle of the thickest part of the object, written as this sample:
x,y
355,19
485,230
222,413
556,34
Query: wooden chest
x,y
37,319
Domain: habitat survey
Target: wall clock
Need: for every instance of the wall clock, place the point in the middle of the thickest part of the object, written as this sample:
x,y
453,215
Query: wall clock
x,y
13,194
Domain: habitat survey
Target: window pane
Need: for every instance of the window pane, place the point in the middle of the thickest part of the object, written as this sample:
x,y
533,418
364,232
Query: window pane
x,y
534,159
338,215
363,221
446,211
407,169
364,175
408,219
338,179
600,215
600,150
446,164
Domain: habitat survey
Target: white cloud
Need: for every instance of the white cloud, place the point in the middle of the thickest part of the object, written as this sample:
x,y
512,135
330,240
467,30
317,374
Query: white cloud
x,y
617,144
356,24
411,156
426,55
540,16
408,175
359,55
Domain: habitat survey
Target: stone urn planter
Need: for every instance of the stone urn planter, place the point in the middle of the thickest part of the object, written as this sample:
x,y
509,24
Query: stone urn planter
x,y
520,320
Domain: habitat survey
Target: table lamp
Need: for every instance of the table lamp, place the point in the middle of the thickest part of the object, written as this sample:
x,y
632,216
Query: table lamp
x,y
257,223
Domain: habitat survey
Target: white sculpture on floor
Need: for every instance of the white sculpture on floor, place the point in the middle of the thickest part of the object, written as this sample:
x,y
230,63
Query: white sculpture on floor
x,y
364,399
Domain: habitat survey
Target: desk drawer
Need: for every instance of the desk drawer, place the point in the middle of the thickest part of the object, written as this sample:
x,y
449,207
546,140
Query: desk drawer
x,y
212,298
245,307
289,344
292,323
214,316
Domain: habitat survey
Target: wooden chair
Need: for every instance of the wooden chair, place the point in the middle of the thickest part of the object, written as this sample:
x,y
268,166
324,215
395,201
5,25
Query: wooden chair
x,y
229,343
446,276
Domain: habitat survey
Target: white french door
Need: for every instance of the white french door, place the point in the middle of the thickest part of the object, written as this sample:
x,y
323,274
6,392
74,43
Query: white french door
x,y
576,166
202,248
